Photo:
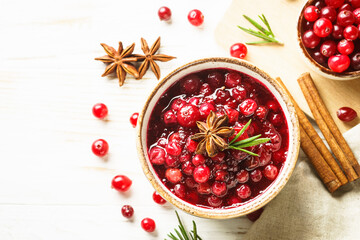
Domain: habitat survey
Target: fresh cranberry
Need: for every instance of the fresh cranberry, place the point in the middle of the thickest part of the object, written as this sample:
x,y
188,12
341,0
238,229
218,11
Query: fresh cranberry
x,y
320,4
345,6
357,15
196,17
311,13
214,201
187,168
232,114
222,96
215,79
173,175
346,114
310,39
157,156
205,109
339,63
355,3
198,159
355,61
248,107
307,26
351,33
204,188
173,148
205,89
148,224
242,176
239,93
232,79
279,156
100,110
243,191
175,137
255,215
121,183
270,172
191,145
334,3
127,211
100,147
323,27
164,13
345,47
256,175
201,174
221,175
319,58
133,119
328,48
177,104
188,115
219,157
170,118
180,190
238,50
219,189
337,32
329,13
171,161
191,84
185,157
158,199
345,18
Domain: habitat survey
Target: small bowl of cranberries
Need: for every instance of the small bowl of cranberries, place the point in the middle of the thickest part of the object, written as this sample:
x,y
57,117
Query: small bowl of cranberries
x,y
329,37
241,100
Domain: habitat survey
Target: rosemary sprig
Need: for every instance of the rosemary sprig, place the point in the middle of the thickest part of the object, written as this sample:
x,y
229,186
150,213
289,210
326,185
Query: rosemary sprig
x,y
181,232
266,34
248,142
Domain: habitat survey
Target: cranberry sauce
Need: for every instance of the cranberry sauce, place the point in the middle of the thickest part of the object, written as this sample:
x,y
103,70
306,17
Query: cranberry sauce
x,y
232,177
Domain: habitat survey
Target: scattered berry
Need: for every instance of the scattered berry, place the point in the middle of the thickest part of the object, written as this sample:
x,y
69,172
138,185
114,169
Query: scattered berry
x,y
148,224
158,199
100,110
196,17
100,147
127,211
133,119
339,63
164,13
121,183
238,50
346,114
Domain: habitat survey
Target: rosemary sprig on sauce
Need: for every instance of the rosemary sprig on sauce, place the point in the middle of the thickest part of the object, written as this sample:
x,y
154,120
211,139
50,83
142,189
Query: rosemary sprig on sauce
x,y
182,234
263,33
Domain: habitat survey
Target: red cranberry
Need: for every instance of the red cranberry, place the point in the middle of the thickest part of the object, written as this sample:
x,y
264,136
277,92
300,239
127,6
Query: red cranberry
x,y
319,58
261,112
345,18
329,13
214,201
256,175
323,27
328,48
337,32
205,109
276,119
255,215
320,4
215,79
232,79
264,158
238,50
355,61
164,13
170,118
158,199
233,200
190,182
219,157
133,119
177,104
148,225
307,26
221,175
248,107
204,188
191,145
175,137
121,183
188,115
201,174
351,33
173,175
357,15
180,190
171,161
311,13
161,142
252,163
198,159
239,93
272,105
193,197
339,63
222,96
185,157
279,156
100,147
127,211
310,39
242,176
334,3
345,47
157,156
233,115
205,89
270,172
355,3
191,84
243,191
346,114
219,189
187,168
196,17
173,148
100,110
345,6
231,103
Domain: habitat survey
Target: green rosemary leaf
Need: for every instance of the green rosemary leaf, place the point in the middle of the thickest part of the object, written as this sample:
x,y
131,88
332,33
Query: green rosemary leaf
x,y
179,235
257,43
258,26
170,235
244,150
258,34
253,143
265,21
250,139
241,132
195,231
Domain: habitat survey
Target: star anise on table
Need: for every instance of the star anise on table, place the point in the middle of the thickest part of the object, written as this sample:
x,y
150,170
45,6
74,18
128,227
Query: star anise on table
x,y
212,134
150,57
119,61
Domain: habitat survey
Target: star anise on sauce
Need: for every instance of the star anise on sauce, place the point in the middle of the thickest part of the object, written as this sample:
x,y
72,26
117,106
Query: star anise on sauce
x,y
212,134
119,61
150,57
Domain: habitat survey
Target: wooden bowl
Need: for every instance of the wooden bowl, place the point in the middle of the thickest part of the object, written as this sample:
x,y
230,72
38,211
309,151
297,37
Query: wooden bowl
x,y
290,115
326,72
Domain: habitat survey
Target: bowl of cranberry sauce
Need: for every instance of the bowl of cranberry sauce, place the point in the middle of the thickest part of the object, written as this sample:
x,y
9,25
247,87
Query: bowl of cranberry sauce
x,y
218,138
329,37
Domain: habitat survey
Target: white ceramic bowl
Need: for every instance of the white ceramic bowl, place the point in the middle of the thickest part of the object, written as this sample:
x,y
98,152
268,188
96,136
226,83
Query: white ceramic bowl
x,y
290,116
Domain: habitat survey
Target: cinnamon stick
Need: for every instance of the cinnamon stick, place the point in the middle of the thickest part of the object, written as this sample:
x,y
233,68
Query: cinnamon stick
x,y
336,149
331,124
326,174
315,138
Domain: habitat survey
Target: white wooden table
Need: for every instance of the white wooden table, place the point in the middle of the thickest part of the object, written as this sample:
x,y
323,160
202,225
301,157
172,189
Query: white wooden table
x,y
51,185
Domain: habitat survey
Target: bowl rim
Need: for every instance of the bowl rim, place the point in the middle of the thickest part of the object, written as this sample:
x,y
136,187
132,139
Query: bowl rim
x,y
235,211
324,70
